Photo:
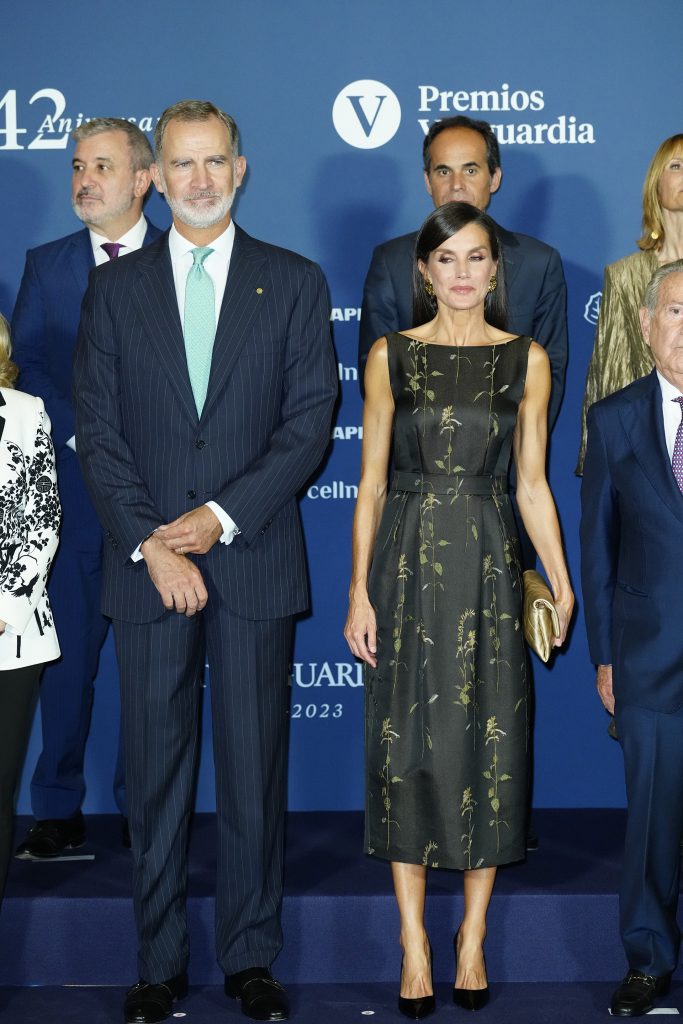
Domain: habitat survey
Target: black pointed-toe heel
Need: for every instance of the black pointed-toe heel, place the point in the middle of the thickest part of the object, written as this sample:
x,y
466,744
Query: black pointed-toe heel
x,y
421,1007
469,998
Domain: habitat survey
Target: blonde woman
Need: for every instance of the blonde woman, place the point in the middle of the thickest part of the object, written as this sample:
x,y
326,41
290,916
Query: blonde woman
x,y
620,354
29,524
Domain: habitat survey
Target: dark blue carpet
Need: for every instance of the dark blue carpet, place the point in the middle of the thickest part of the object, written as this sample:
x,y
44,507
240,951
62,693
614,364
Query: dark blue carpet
x,y
328,1004
552,918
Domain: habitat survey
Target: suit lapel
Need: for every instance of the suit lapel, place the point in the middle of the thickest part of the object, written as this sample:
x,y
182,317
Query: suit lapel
x,y
246,288
643,421
81,259
509,245
3,403
155,298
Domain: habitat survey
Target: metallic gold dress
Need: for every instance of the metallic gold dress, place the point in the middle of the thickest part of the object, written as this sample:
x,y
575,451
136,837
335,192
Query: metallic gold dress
x,y
620,354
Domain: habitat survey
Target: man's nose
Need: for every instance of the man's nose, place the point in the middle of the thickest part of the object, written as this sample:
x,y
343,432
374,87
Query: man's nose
x,y
201,179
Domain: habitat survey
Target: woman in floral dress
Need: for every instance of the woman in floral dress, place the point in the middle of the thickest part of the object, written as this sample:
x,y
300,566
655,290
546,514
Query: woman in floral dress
x,y
436,592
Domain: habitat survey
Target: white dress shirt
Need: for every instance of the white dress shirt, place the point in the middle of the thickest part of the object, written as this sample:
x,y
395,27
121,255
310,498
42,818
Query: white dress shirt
x,y
217,265
129,242
671,410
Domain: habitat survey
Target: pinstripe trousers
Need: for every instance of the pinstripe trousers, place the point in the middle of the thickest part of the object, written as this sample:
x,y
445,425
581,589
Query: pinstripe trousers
x,y
161,669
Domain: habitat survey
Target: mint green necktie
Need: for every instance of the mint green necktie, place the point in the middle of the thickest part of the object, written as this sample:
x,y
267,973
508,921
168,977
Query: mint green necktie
x,y
200,325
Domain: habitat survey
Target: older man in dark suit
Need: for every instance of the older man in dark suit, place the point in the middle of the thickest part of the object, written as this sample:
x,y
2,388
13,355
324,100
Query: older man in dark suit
x,y
110,181
205,382
461,160
631,547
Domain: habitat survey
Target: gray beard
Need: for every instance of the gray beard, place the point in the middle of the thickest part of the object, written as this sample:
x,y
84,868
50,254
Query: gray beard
x,y
186,213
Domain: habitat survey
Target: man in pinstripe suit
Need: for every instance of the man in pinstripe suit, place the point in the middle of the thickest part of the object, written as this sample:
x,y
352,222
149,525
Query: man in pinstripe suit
x,y
195,482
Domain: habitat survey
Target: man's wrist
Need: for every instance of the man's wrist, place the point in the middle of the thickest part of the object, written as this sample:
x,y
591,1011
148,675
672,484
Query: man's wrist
x,y
149,544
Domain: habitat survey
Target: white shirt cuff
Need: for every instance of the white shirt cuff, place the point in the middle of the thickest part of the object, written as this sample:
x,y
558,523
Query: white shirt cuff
x,y
230,528
137,554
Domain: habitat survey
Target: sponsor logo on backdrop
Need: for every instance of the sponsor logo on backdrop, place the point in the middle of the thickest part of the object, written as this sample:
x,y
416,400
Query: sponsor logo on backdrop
x,y
345,314
327,673
366,114
336,491
592,310
362,114
347,372
43,121
347,434
557,128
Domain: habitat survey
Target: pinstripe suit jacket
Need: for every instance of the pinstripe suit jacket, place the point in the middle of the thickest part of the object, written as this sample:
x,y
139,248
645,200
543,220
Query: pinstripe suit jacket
x,y
146,455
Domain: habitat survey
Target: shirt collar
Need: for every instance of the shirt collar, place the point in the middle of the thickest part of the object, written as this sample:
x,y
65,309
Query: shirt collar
x,y
132,239
669,391
179,246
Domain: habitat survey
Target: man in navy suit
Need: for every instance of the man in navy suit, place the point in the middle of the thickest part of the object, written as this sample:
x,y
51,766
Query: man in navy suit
x,y
631,547
461,160
110,180
205,381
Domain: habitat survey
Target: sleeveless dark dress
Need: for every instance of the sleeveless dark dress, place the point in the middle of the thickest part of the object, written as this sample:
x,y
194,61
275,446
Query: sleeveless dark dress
x,y
446,707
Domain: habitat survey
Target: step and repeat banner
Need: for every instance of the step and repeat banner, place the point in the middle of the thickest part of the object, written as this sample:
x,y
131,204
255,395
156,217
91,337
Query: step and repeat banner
x,y
333,101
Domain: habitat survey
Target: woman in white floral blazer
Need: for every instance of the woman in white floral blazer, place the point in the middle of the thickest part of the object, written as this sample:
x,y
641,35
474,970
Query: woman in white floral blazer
x,y
29,525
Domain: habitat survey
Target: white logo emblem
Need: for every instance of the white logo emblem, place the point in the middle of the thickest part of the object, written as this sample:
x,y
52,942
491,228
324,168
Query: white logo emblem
x,y
592,310
366,114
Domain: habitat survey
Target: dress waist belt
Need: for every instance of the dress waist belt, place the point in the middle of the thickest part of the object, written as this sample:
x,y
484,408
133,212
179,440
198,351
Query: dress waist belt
x,y
455,483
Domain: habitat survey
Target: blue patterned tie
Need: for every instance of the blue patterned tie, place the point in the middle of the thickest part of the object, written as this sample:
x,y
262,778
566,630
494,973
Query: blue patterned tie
x,y
200,325
677,460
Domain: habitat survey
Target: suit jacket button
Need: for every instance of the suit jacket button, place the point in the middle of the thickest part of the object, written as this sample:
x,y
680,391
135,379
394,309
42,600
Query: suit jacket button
x,y
200,444
192,494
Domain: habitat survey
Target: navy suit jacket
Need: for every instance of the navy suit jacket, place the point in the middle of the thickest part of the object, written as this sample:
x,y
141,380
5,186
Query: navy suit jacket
x,y
45,323
631,544
44,330
146,455
537,299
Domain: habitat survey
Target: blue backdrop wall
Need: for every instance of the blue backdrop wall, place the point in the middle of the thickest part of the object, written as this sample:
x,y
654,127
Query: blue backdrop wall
x,y
582,94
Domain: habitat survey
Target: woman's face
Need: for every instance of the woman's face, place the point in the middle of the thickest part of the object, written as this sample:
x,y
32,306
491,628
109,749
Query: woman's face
x,y
670,187
461,268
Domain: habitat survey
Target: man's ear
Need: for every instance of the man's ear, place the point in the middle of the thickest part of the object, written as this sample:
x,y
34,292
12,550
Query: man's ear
x,y
239,170
644,315
496,179
156,178
143,178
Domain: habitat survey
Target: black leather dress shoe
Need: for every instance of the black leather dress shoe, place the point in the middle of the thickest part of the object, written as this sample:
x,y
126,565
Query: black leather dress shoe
x,y
52,837
635,996
147,1003
261,996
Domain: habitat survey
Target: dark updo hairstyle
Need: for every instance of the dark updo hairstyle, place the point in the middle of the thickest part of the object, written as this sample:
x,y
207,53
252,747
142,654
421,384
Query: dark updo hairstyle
x,y
440,225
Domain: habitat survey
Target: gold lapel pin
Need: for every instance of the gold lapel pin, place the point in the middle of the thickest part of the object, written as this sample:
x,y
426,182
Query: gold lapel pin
x,y
259,291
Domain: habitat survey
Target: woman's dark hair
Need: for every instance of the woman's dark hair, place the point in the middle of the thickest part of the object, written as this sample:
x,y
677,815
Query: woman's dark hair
x,y
440,225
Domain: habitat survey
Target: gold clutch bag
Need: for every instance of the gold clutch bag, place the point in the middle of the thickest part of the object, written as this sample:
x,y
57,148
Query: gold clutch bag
x,y
541,621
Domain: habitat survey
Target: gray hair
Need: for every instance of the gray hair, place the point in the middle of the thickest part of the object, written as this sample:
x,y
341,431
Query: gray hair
x,y
651,296
195,110
138,143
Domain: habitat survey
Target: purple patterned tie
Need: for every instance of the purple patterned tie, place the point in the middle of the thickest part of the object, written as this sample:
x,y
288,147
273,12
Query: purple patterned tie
x,y
112,249
677,460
